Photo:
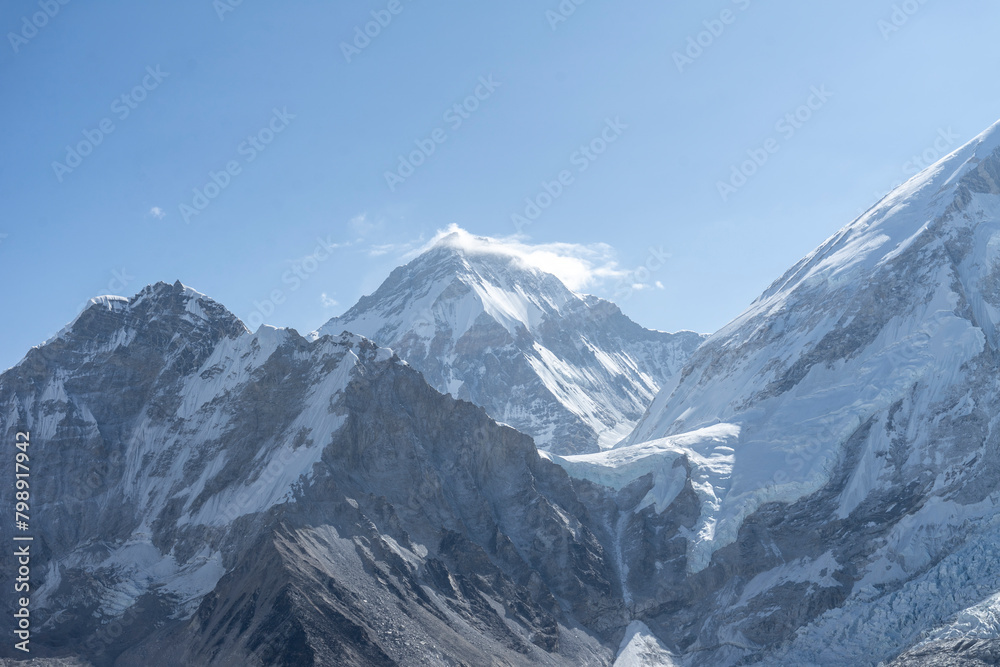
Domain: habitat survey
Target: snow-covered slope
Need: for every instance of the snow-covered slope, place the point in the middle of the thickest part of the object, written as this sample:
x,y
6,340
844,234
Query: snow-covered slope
x,y
817,485
641,648
889,312
204,495
570,370
830,460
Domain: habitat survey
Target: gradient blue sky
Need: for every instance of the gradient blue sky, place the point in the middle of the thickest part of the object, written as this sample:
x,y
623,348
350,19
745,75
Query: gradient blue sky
x,y
96,232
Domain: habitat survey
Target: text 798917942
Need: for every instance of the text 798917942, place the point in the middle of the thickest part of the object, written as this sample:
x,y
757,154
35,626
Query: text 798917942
x,y
22,550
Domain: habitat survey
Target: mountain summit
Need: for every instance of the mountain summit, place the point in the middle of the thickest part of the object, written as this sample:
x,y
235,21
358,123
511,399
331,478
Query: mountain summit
x,y
816,484
836,448
204,495
482,324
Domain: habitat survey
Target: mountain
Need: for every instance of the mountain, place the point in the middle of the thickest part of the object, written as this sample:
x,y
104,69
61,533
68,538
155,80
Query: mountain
x,y
819,484
480,323
203,495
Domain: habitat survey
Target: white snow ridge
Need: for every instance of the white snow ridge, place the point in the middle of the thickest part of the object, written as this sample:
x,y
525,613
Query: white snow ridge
x,y
489,326
477,464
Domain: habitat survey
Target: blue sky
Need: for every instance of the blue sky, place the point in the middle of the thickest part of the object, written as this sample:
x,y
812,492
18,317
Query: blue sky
x,y
299,133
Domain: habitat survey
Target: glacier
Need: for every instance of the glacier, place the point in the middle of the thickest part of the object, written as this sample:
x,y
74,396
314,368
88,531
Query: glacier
x,y
476,463
486,326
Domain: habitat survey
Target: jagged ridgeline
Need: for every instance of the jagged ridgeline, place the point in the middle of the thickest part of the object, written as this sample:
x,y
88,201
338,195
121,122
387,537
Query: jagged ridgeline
x,y
211,496
815,484
826,468
480,323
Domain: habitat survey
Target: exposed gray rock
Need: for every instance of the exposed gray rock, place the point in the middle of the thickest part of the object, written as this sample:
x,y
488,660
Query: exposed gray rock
x,y
205,496
571,371
961,653
840,451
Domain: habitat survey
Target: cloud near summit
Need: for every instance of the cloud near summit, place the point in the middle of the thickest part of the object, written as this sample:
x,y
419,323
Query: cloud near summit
x,y
578,266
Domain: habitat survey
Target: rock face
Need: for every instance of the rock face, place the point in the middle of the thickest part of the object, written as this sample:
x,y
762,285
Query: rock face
x,y
571,371
207,496
819,483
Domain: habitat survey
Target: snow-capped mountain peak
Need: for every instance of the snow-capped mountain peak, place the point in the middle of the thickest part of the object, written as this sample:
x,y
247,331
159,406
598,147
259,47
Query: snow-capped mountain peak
x,y
898,219
208,493
858,394
458,283
490,325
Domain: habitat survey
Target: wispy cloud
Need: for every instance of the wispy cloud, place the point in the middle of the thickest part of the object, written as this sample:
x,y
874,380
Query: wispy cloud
x,y
402,249
578,266
363,226
157,213
379,250
365,233
327,301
